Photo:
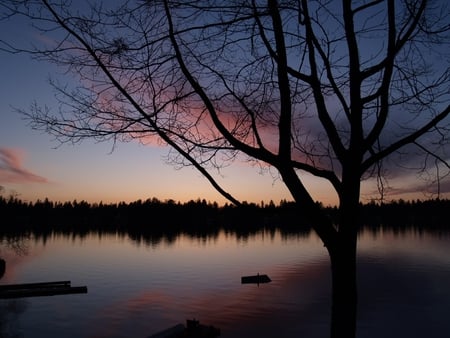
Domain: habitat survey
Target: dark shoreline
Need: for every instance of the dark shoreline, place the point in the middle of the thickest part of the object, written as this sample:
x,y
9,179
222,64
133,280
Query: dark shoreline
x,y
153,215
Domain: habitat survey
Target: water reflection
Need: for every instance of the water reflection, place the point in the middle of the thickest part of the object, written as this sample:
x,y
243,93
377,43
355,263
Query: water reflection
x,y
2,267
141,283
11,248
10,311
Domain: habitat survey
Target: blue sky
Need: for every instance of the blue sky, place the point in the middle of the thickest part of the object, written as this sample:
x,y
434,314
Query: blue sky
x,y
42,168
39,167
35,166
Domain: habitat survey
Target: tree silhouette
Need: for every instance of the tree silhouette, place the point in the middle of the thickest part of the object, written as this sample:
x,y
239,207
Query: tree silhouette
x,y
329,88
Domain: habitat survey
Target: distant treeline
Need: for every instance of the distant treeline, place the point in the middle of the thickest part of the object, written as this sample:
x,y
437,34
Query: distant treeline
x,y
153,214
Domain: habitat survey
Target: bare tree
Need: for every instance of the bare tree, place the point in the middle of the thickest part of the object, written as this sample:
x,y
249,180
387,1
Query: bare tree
x,y
329,88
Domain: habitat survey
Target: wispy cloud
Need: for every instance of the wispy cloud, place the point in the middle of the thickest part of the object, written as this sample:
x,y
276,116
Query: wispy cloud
x,y
423,187
413,186
12,170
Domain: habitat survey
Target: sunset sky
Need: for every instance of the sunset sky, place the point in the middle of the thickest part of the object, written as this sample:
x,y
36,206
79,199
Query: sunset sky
x,y
34,166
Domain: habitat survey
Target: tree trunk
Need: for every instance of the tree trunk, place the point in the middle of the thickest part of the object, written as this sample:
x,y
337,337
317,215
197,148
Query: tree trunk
x,y
342,250
344,289
341,246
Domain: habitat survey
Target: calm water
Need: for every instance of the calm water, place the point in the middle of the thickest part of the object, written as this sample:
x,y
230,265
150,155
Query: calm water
x,y
137,288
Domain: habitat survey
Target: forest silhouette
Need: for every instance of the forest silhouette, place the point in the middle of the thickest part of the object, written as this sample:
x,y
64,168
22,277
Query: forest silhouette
x,y
152,220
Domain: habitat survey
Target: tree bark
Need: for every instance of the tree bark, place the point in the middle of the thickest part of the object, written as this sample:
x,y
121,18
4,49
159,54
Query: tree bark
x,y
342,254
344,288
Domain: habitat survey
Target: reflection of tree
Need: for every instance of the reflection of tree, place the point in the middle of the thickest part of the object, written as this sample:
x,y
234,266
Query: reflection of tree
x,y
16,243
10,310
9,313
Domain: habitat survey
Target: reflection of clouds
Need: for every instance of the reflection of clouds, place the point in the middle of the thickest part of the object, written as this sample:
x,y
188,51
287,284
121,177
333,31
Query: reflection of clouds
x,y
261,311
394,288
15,252
392,291
238,311
147,311
11,170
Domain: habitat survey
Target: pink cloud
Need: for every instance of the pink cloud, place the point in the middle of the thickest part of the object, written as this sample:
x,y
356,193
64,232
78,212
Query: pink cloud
x,y
12,170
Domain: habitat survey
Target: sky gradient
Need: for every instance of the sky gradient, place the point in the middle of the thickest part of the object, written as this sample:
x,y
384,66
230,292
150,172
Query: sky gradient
x,y
34,166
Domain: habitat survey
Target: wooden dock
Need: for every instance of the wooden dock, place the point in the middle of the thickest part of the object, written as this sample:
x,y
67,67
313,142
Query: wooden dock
x,y
256,279
39,289
193,329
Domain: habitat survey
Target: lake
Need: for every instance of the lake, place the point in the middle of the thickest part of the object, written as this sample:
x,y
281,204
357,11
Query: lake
x,y
138,286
